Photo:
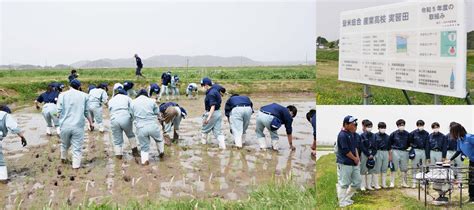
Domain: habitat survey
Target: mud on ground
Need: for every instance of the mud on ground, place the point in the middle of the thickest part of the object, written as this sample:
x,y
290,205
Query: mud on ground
x,y
189,170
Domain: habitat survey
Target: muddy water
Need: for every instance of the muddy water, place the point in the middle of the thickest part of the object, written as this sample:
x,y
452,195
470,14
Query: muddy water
x,y
189,170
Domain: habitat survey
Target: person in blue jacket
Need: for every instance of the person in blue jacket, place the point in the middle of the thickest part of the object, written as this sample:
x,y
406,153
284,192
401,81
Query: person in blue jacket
x,y
73,75
438,144
138,71
452,148
383,155
165,83
238,110
399,141
50,110
465,146
271,117
7,124
154,88
419,142
311,117
171,115
212,118
368,151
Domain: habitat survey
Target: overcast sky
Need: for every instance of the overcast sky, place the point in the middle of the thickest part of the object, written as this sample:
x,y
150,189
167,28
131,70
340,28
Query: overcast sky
x,y
328,12
66,32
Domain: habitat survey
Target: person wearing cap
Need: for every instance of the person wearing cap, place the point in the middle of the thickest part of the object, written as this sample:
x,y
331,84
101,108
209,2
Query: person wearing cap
x,y
382,157
212,118
138,71
49,110
451,150
7,124
238,110
171,116
368,152
348,162
419,142
311,117
154,88
191,91
174,87
399,141
128,86
165,82
116,87
72,110
121,122
271,117
438,145
98,97
73,75
465,146
145,115
58,86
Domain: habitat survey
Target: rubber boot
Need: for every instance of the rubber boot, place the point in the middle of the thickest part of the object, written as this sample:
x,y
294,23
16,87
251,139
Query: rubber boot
x,y
161,149
404,180
275,145
384,180
101,128
392,179
369,182
221,140
363,183
204,138
238,141
48,131
3,174
244,137
76,162
144,158
63,154
262,143
341,196
350,192
58,131
376,181
118,150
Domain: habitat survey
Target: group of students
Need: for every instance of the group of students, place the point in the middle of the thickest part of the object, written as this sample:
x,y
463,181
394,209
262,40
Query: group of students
x,y
364,159
139,116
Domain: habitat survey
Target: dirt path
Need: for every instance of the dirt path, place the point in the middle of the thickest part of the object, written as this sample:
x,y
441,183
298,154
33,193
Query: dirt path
x,y
189,170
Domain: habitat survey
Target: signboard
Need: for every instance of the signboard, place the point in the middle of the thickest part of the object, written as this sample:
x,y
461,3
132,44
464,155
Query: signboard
x,y
418,46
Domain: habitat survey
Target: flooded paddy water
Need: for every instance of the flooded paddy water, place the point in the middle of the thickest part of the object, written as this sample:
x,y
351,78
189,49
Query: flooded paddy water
x,y
188,170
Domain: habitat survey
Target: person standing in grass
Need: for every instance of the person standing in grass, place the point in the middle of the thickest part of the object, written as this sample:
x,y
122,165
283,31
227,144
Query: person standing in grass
x,y
98,97
73,75
138,71
72,110
191,91
419,142
238,110
7,124
348,162
399,144
311,117
438,145
212,118
465,146
121,122
165,82
368,152
145,114
50,110
383,156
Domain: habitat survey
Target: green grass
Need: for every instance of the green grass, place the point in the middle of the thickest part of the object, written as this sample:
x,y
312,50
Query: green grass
x,y
21,86
275,195
331,91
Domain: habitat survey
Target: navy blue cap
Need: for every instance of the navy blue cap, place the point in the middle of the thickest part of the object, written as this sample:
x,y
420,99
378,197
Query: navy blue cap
x,y
6,109
349,119
121,91
142,92
75,83
206,81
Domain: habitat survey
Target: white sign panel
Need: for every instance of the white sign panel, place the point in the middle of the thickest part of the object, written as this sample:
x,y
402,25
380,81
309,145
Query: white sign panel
x,y
418,46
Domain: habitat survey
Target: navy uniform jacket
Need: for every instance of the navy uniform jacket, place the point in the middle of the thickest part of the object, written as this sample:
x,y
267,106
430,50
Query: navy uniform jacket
x,y
51,97
452,144
420,140
72,77
382,141
57,86
234,101
139,62
281,113
165,106
439,142
154,88
368,145
399,140
345,143
213,97
165,78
